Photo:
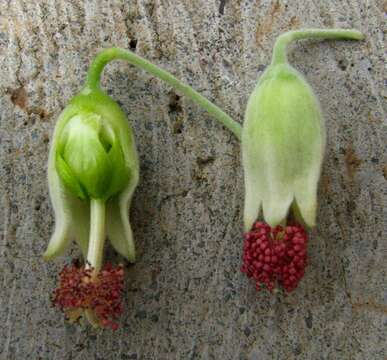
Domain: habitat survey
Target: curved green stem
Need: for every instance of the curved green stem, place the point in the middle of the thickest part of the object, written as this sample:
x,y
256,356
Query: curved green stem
x,y
107,55
97,234
279,51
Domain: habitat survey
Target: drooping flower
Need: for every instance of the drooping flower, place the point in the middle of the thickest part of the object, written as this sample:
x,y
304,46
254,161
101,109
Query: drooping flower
x,y
92,159
93,171
283,142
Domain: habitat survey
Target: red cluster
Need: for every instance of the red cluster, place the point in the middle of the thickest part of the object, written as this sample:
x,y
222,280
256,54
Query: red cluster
x,y
79,289
275,255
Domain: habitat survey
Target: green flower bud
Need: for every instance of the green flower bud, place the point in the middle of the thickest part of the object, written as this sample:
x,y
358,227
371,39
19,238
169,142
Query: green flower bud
x,y
89,158
283,140
92,157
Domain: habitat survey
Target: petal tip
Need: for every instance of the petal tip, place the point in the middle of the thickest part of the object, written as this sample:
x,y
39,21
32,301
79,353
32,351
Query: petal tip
x,y
275,211
58,243
305,211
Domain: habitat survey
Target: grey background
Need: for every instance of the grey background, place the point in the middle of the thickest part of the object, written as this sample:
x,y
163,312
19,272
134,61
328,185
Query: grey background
x,y
185,297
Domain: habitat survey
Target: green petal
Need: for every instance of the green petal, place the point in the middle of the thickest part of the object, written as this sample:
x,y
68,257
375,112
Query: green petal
x,y
253,202
253,181
120,174
306,196
68,177
71,214
85,154
72,220
118,227
115,138
117,219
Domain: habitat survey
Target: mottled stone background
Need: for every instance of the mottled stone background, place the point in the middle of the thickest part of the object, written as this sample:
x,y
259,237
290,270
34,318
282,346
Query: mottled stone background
x,y
185,297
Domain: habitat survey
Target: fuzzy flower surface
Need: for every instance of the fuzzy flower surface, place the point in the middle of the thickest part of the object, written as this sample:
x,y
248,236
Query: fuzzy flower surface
x,y
283,138
283,144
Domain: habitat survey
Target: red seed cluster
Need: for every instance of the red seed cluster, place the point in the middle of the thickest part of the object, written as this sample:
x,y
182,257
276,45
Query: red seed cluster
x,y
79,289
275,256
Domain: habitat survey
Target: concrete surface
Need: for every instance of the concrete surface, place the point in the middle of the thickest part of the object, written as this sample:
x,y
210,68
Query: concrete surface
x,y
185,298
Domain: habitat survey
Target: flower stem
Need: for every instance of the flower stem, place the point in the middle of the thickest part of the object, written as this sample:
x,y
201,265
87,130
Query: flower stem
x,y
107,55
97,234
279,51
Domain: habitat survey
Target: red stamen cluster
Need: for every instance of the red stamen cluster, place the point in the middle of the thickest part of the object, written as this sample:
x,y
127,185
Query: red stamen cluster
x,y
79,289
275,255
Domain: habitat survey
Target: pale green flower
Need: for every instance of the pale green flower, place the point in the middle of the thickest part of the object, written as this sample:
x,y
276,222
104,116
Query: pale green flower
x,y
283,139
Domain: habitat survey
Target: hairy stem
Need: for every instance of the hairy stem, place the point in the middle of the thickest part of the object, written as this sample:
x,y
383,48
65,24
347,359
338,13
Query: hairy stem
x,y
279,51
107,55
